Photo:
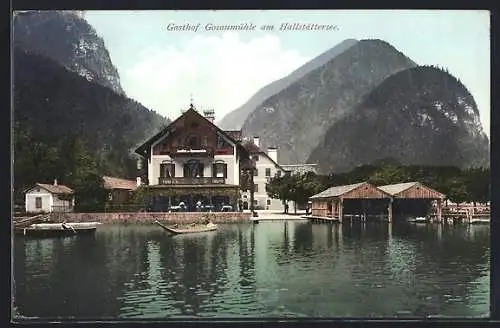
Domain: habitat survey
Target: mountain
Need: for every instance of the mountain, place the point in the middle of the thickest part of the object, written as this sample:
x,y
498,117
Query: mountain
x,y
421,116
67,38
296,119
236,118
62,118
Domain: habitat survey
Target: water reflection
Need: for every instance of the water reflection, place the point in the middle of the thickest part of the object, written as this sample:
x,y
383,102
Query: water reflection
x,y
272,269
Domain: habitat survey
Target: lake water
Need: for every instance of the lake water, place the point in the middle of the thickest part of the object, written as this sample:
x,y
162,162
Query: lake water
x,y
274,269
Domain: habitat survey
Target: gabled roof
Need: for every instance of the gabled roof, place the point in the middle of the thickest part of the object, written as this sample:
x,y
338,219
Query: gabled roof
x,y
55,189
117,183
253,149
397,188
143,149
337,191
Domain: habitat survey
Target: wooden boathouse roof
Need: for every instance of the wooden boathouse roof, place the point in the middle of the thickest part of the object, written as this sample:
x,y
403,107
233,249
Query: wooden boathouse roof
x,y
353,191
412,190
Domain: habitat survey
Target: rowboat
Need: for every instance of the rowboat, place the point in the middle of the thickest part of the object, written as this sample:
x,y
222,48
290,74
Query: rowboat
x,y
57,229
195,228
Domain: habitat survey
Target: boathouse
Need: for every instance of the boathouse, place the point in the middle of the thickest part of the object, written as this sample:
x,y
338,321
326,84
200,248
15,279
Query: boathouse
x,y
355,199
414,199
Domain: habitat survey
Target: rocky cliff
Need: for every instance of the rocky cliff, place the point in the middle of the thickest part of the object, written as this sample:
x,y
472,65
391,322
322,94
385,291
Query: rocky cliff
x,y
296,119
67,38
421,115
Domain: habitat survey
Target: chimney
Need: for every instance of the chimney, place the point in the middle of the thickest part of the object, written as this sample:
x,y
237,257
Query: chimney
x,y
138,181
209,115
55,182
273,153
256,141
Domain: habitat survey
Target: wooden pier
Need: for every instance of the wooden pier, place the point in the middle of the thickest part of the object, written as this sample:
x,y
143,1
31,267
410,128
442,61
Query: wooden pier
x,y
25,221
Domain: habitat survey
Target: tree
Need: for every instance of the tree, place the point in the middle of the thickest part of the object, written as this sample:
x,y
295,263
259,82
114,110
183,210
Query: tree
x,y
305,185
280,187
388,175
90,194
477,184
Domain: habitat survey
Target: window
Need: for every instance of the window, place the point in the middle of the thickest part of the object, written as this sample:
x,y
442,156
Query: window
x,y
268,202
268,172
205,141
193,169
255,202
255,188
278,173
255,172
193,142
38,202
220,170
256,158
167,170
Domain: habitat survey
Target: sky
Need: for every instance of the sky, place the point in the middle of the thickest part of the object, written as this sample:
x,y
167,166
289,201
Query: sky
x,y
165,69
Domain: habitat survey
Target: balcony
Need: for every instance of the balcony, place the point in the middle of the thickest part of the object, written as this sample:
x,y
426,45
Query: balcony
x,y
187,152
191,181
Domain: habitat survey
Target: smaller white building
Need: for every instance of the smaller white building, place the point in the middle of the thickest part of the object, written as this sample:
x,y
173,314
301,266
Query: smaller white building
x,y
266,167
46,198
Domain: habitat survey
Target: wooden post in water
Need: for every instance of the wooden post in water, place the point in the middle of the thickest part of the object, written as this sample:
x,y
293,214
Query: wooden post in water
x,y
341,210
389,211
439,210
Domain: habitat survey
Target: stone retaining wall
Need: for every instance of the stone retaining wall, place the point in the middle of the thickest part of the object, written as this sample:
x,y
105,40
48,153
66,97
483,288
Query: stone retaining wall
x,y
149,217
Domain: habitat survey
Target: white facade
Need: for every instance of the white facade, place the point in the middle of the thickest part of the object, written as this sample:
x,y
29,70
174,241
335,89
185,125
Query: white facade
x,y
231,161
40,200
266,169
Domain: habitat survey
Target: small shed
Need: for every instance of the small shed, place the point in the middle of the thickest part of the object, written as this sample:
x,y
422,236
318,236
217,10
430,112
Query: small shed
x,y
46,198
353,199
414,198
119,189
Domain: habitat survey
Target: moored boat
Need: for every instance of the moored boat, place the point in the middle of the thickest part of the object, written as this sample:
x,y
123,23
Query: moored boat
x,y
69,225
194,228
479,221
56,229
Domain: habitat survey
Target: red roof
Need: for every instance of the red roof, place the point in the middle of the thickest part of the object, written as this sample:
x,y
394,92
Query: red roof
x,y
117,183
55,189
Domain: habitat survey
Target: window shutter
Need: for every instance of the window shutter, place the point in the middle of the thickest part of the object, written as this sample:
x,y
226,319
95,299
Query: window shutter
x,y
172,170
225,171
214,170
185,170
202,168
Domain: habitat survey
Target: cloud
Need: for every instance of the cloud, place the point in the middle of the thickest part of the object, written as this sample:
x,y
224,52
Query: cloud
x,y
221,72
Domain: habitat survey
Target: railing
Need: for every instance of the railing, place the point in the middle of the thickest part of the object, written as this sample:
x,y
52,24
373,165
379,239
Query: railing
x,y
191,181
